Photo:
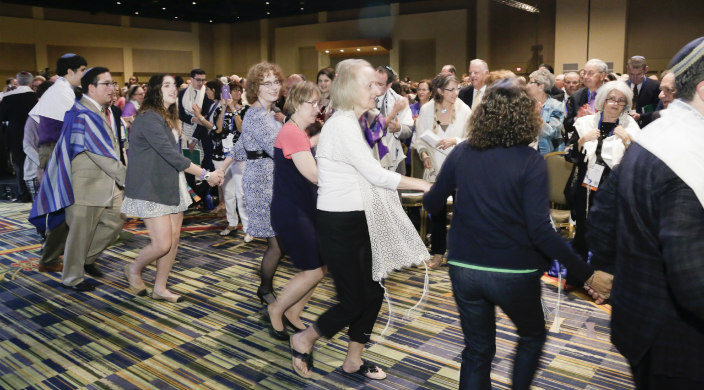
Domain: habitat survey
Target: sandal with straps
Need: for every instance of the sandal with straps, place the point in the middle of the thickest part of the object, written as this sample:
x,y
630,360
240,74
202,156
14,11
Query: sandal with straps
x,y
369,370
307,358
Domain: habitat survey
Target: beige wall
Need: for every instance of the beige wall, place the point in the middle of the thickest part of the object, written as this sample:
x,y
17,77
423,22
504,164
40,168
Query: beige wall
x,y
446,28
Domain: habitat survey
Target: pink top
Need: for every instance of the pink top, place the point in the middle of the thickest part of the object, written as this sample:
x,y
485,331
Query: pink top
x,y
292,140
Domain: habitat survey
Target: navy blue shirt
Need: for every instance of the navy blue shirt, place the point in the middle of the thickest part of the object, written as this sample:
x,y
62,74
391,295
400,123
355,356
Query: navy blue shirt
x,y
501,216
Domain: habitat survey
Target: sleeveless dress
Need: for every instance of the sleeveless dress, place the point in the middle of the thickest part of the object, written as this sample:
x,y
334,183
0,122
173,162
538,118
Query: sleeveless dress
x,y
293,205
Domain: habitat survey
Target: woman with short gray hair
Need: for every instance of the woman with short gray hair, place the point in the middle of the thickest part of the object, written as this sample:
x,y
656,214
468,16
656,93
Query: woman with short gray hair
x,y
596,147
551,111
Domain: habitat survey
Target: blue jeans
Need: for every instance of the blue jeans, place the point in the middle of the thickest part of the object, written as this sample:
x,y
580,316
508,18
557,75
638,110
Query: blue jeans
x,y
518,295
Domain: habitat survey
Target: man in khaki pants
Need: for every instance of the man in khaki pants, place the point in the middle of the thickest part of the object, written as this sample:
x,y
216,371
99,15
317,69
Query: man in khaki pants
x,y
97,180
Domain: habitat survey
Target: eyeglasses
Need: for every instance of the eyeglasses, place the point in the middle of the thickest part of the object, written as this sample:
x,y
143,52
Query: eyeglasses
x,y
457,89
270,84
106,83
620,102
314,104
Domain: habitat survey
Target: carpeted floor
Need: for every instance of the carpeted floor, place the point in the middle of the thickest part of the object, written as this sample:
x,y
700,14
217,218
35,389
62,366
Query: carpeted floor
x,y
110,339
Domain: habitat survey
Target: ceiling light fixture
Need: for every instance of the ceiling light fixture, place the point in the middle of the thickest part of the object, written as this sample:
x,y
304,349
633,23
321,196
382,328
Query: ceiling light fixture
x,y
136,13
358,49
342,50
519,5
327,51
375,48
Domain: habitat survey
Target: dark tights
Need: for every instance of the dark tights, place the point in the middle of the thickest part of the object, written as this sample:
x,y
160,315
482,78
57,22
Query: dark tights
x,y
270,261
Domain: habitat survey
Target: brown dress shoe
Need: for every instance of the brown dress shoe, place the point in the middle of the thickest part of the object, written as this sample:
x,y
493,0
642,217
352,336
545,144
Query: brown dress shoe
x,y
58,267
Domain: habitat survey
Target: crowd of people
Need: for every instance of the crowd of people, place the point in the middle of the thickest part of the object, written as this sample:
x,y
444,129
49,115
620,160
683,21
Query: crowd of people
x,y
315,169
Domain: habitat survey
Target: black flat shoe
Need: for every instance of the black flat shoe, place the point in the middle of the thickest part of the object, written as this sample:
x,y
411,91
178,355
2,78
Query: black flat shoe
x,y
81,287
93,271
281,335
291,325
306,358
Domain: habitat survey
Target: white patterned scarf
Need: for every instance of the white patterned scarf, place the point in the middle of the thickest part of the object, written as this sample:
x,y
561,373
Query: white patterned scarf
x,y
395,242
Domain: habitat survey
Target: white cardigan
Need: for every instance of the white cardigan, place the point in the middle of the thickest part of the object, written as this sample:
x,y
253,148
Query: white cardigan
x,y
426,121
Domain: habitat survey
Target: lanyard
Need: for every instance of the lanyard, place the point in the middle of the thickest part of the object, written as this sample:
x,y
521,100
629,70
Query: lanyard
x,y
601,118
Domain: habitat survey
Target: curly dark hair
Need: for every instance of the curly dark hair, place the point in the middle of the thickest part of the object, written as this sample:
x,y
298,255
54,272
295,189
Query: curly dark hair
x,y
507,116
154,101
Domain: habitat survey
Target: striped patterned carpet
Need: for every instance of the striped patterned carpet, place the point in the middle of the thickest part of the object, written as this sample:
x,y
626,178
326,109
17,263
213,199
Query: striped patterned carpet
x,y
110,339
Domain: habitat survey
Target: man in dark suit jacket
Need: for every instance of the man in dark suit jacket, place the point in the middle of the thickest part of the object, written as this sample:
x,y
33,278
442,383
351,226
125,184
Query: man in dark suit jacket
x,y
478,73
645,90
582,102
649,217
14,108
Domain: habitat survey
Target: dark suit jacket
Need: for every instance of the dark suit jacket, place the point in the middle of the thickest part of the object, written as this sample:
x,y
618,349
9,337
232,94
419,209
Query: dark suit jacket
x,y
117,118
467,95
650,225
15,109
648,96
557,93
574,103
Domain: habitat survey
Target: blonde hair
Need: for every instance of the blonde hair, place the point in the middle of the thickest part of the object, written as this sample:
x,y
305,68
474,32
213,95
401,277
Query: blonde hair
x,y
300,93
345,86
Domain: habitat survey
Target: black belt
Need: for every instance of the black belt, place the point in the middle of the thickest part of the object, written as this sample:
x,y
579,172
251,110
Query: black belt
x,y
256,154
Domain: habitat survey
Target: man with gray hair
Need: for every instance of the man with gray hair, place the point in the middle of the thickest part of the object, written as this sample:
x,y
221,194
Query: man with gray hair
x,y
14,109
478,73
582,102
648,218
645,90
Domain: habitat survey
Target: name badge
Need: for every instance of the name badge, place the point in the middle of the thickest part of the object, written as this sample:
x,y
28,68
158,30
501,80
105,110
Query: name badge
x,y
593,177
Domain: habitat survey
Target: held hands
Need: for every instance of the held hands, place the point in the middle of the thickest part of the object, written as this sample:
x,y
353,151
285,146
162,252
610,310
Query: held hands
x,y
216,178
599,286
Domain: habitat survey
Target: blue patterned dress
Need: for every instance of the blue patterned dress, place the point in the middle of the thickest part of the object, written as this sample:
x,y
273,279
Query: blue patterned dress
x,y
259,132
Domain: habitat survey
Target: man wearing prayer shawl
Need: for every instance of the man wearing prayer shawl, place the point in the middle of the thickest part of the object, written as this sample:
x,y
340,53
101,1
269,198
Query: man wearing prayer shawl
x,y
649,220
49,115
84,179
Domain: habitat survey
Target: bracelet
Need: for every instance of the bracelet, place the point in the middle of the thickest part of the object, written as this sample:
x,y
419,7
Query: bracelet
x,y
203,173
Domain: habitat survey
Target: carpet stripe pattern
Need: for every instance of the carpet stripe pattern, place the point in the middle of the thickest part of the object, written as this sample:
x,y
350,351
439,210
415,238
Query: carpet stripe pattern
x,y
110,339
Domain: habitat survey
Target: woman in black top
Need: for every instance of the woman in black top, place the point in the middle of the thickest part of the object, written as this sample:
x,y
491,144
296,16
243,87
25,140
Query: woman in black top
x,y
501,240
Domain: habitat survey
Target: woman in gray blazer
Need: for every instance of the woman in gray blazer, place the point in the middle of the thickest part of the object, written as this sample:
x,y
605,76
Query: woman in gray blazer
x,y
155,186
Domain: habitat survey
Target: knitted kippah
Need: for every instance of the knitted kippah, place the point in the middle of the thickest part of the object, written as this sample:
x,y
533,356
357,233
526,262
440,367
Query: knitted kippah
x,y
687,56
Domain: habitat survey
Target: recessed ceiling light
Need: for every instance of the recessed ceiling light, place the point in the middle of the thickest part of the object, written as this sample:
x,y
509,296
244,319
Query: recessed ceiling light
x,y
163,8
136,13
358,49
118,3
342,50
268,13
211,20
375,48
194,3
327,51
301,8
267,3
175,17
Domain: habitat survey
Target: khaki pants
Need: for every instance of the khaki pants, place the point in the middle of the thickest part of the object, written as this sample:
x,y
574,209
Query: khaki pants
x,y
91,230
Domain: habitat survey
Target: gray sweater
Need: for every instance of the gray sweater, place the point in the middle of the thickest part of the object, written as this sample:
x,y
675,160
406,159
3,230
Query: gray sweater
x,y
155,161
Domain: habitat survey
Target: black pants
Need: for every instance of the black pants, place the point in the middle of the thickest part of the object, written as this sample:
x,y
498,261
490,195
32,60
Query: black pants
x,y
438,231
646,379
346,249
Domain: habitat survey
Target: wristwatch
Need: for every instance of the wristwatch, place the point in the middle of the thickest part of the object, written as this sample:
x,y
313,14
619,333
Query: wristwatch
x,y
206,176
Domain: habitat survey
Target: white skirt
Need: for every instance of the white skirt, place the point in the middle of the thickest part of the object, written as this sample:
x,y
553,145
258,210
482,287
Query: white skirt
x,y
147,209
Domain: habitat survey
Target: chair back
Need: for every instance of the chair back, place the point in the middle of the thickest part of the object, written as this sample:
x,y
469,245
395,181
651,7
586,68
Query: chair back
x,y
559,171
417,167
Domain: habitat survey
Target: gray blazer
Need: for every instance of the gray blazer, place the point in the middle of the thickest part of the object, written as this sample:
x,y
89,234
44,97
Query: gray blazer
x,y
155,161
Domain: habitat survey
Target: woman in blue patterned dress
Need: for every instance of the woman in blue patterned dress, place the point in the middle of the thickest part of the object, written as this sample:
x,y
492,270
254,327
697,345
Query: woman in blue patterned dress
x,y
256,145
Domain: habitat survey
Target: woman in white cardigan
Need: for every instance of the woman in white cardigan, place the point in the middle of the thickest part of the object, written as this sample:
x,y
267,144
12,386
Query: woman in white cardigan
x,y
441,125
360,223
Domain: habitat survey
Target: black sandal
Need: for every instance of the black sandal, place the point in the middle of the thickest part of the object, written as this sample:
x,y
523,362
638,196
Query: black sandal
x,y
369,370
307,358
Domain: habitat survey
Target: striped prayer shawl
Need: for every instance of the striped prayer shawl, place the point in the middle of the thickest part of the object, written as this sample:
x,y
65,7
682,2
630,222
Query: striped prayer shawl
x,y
83,131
